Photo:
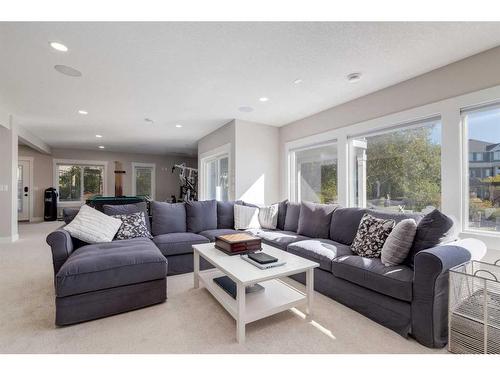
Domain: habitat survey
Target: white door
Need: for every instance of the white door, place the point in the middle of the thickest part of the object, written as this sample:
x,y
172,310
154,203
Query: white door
x,y
23,190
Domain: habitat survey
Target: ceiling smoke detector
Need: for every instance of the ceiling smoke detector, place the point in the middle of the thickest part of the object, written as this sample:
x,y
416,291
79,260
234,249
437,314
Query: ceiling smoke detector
x,y
354,77
68,71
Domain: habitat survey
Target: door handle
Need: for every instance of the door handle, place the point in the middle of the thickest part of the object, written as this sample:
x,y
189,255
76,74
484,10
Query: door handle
x,y
26,189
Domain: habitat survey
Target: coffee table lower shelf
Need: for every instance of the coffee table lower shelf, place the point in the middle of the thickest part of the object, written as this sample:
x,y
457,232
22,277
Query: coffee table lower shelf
x,y
276,297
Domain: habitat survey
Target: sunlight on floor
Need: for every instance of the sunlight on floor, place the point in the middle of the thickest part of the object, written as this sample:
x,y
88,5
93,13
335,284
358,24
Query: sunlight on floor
x,y
315,324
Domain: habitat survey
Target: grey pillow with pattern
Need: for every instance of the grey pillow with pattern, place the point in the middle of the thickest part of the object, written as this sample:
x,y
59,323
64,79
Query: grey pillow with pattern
x,y
397,246
371,236
133,225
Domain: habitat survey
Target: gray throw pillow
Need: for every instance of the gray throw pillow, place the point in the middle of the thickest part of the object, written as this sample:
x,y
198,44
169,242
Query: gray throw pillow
x,y
282,214
371,236
434,229
292,217
201,215
397,246
314,219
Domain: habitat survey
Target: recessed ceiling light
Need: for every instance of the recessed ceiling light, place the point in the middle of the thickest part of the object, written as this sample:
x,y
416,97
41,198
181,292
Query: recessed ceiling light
x,y
98,136
354,77
83,112
58,46
178,126
263,99
245,108
297,81
68,70
101,147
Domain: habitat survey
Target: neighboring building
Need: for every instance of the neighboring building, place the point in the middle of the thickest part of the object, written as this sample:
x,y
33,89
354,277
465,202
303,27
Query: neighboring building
x,y
484,162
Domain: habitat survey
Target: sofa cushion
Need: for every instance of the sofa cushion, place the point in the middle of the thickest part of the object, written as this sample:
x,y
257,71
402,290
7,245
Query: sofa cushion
x,y
225,214
201,215
212,233
434,229
168,218
178,243
344,224
314,219
319,250
278,238
393,281
282,214
396,216
69,214
292,217
108,265
125,209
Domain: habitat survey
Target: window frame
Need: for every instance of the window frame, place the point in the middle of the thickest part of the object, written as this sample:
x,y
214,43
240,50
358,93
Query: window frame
x,y
209,156
465,223
293,191
80,163
351,139
153,177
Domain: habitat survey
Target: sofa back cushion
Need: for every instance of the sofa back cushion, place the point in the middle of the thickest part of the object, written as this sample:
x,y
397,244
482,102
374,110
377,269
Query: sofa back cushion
x,y
314,219
126,209
435,228
344,224
225,214
282,214
168,218
396,216
292,217
201,215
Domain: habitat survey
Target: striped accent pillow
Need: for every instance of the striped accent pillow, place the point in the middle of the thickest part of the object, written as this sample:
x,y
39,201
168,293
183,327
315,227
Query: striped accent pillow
x,y
268,216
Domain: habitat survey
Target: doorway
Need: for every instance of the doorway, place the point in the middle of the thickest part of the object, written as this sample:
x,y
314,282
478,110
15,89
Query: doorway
x,y
24,188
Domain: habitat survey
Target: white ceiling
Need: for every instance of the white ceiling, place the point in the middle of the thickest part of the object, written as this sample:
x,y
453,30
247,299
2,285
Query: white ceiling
x,y
199,74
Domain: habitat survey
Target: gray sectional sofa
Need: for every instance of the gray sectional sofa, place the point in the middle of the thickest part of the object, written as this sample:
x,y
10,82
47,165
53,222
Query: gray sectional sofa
x,y
410,299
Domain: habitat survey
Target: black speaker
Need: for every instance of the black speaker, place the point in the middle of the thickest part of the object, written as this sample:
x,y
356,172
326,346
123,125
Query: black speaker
x,y
50,200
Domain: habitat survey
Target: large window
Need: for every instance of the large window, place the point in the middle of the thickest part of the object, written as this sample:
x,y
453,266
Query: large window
x,y
482,127
143,179
315,173
398,169
76,182
216,177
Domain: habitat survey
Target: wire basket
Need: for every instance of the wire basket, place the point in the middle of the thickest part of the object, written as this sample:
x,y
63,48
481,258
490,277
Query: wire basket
x,y
474,308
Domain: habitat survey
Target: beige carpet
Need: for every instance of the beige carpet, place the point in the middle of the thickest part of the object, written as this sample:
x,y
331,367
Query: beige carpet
x,y
191,321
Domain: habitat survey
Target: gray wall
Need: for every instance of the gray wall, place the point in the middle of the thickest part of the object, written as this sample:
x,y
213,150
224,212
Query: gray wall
x,y
167,183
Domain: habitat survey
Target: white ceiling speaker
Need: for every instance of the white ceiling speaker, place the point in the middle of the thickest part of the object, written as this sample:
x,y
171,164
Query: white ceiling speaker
x,y
354,77
68,71
245,108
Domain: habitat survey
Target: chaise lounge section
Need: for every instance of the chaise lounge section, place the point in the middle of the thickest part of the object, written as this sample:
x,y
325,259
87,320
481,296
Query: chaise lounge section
x,y
410,298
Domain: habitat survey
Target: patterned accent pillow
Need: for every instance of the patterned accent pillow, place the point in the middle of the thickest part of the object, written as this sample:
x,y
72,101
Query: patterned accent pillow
x,y
133,225
371,236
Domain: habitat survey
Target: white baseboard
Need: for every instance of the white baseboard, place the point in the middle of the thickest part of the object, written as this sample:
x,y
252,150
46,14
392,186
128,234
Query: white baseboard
x,y
10,239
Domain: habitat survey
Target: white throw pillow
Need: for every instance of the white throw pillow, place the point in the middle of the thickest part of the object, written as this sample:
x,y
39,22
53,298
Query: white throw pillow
x,y
246,217
268,216
93,226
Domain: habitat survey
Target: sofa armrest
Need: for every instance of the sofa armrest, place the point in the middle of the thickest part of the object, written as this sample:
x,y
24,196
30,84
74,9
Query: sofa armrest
x,y
61,244
429,308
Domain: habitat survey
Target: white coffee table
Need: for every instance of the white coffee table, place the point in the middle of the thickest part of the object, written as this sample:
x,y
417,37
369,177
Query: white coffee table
x,y
277,295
